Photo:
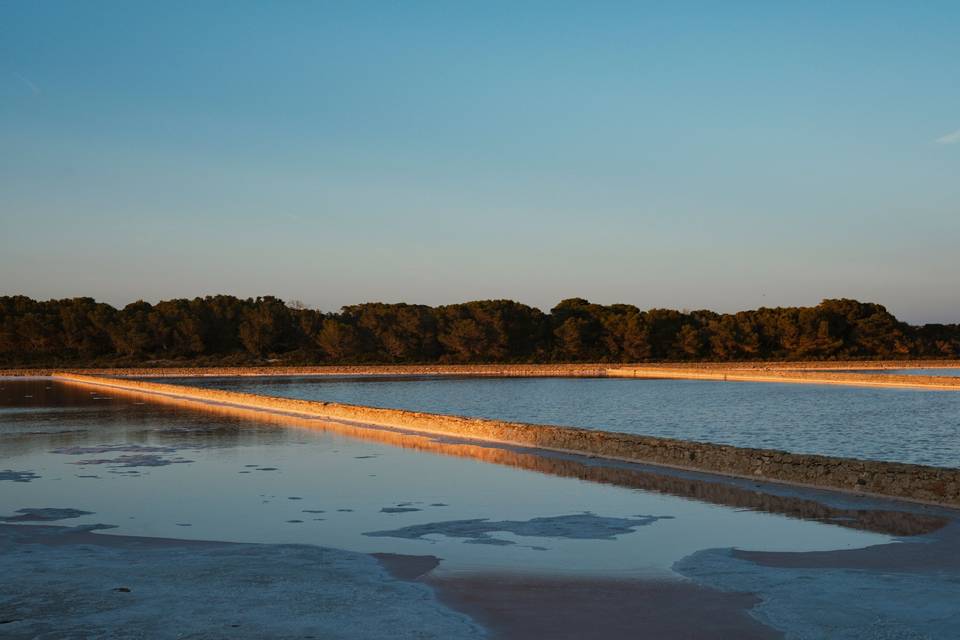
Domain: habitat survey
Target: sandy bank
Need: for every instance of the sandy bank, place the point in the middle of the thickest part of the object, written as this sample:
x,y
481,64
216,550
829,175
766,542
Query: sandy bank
x,y
69,582
62,583
537,607
938,552
900,590
918,483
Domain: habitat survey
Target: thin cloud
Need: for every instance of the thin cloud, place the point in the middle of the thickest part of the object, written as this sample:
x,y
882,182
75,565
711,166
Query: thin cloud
x,y
950,138
34,89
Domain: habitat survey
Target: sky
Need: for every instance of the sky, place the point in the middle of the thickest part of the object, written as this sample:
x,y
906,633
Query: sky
x,y
664,154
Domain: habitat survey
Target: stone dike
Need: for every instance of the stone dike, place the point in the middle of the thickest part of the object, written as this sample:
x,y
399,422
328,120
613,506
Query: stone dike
x,y
917,483
796,365
790,376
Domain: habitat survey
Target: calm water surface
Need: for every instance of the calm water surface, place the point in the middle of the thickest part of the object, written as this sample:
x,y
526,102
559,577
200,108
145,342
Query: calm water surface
x,y
165,470
903,425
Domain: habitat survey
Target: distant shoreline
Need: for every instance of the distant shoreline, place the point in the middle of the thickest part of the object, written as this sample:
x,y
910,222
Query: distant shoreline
x,y
805,372
228,331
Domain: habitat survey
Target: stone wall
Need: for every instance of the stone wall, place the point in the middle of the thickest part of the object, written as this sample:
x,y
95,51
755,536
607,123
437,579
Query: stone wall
x,y
905,481
794,365
730,374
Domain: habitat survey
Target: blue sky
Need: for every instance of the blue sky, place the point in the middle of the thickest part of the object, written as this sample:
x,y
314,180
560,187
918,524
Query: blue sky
x,y
678,154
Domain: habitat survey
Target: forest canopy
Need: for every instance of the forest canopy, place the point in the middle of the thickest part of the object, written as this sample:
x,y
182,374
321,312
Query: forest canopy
x,y
228,330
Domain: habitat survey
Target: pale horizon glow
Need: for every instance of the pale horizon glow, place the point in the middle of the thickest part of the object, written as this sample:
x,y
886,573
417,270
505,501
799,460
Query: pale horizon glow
x,y
699,155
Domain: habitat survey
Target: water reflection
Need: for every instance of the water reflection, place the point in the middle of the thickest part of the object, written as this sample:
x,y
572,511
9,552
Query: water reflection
x,y
312,481
898,523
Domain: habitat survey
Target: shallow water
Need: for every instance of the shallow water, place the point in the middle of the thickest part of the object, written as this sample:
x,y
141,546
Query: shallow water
x,y
901,425
160,469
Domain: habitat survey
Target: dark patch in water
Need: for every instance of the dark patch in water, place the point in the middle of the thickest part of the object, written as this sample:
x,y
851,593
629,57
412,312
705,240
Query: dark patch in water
x,y
45,515
313,511
53,432
197,432
87,528
112,448
18,476
584,526
295,521
135,460
345,510
399,509
497,542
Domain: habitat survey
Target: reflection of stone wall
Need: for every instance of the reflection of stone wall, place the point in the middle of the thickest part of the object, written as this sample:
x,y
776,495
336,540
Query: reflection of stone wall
x,y
907,481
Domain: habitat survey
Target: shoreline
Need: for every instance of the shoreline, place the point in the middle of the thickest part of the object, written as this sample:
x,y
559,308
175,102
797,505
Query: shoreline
x,y
909,482
62,581
71,594
840,372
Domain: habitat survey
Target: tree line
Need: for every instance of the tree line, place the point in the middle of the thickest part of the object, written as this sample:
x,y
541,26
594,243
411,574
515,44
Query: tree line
x,y
228,330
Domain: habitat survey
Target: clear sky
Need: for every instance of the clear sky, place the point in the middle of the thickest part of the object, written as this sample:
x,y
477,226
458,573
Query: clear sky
x,y
721,155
